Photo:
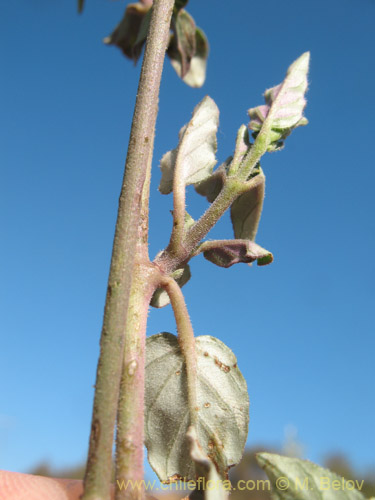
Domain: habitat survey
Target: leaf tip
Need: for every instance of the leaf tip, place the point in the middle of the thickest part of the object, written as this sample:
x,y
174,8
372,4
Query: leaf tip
x,y
265,260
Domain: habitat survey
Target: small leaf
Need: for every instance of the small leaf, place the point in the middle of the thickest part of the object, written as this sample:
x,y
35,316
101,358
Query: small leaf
x,y
211,187
160,297
205,468
223,407
195,154
195,74
189,221
225,253
184,28
242,145
246,210
80,6
130,34
180,4
295,479
284,106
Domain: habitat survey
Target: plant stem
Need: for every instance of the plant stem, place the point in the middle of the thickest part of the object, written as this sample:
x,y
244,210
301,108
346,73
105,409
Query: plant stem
x,y
186,340
99,464
130,416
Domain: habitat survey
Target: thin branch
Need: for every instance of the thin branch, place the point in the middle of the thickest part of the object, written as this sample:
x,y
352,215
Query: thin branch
x,y
99,465
186,340
179,206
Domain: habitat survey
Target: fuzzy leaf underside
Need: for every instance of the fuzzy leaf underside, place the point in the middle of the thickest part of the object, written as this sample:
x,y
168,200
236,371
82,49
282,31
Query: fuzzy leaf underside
x,y
205,468
305,480
160,297
195,155
283,110
223,407
246,211
226,253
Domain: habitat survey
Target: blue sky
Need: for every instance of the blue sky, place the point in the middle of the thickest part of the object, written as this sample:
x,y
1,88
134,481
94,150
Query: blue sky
x,y
302,328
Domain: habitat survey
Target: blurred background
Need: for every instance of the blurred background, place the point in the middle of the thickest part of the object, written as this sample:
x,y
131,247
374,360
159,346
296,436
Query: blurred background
x,y
302,328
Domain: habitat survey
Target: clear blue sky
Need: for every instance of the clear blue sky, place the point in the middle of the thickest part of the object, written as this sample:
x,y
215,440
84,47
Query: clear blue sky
x,y
302,328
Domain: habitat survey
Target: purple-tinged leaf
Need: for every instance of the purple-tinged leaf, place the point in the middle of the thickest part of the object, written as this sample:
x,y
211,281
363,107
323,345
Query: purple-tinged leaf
x,y
195,71
246,210
131,33
225,253
183,27
283,111
211,187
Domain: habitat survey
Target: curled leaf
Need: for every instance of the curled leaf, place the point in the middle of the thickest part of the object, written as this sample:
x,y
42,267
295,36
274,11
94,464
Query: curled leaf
x,y
295,479
222,410
131,33
160,297
193,70
284,106
212,185
246,210
225,253
195,154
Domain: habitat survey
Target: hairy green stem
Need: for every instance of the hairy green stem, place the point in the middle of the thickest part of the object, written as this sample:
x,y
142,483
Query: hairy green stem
x,y
99,465
186,340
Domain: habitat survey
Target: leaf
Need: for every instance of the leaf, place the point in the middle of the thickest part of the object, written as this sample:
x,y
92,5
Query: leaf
x,y
225,253
295,479
195,155
195,74
180,4
284,106
205,468
212,185
160,297
223,406
80,6
184,41
130,34
246,210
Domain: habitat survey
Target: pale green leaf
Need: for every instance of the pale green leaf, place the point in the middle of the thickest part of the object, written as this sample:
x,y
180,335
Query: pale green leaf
x,y
284,106
295,479
160,297
223,406
195,155
246,211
